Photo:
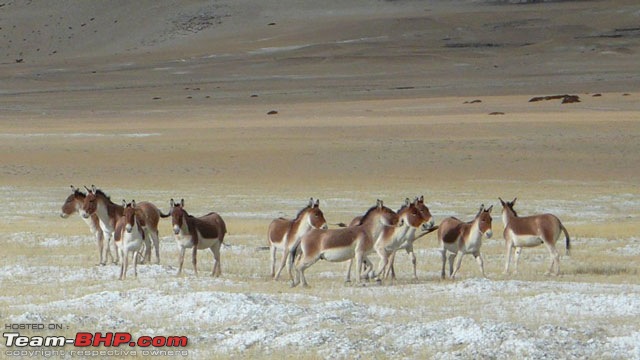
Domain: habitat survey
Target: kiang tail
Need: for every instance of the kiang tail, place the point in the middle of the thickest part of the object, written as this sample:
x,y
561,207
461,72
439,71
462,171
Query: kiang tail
x,y
568,240
427,232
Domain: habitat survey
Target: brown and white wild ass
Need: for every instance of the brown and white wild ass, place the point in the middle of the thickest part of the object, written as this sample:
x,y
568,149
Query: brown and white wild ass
x,y
530,231
284,234
205,232
337,245
97,202
456,236
129,236
410,237
73,205
392,238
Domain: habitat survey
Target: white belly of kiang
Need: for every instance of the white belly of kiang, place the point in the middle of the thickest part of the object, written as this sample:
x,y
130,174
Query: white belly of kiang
x,y
131,242
526,240
471,248
186,241
206,243
338,254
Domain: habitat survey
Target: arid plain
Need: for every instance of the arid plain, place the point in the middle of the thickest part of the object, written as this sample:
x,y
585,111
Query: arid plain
x,y
369,100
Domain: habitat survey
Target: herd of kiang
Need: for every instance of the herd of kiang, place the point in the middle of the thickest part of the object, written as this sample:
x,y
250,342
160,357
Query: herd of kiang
x,y
132,228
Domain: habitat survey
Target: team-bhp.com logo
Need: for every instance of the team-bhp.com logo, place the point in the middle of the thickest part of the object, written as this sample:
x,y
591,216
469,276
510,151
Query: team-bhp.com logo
x,y
16,344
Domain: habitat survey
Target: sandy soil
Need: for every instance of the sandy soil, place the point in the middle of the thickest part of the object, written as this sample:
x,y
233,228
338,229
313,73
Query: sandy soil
x,y
374,99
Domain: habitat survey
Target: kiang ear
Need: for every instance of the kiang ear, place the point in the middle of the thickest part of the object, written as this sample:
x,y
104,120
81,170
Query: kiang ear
x,y
133,203
310,202
380,204
501,201
514,201
89,190
124,203
481,209
489,209
171,203
93,188
317,204
181,202
73,188
407,202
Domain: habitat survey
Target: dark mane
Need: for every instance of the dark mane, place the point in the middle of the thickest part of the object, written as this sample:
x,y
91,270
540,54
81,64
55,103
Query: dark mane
x,y
189,216
100,192
362,219
301,212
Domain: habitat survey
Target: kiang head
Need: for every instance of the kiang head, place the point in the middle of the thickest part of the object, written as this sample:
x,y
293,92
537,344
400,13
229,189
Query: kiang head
x,y
130,215
484,220
426,214
178,215
73,203
507,206
90,205
410,214
314,215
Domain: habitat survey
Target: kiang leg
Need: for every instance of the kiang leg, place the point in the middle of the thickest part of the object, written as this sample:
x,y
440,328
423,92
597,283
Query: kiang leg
x,y
413,262
194,259
147,249
100,240
123,265
304,264
348,277
112,246
156,245
181,259
516,259
480,262
555,260
443,252
509,252
452,257
217,270
390,269
106,246
283,262
135,263
458,263
359,259
273,251
382,265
